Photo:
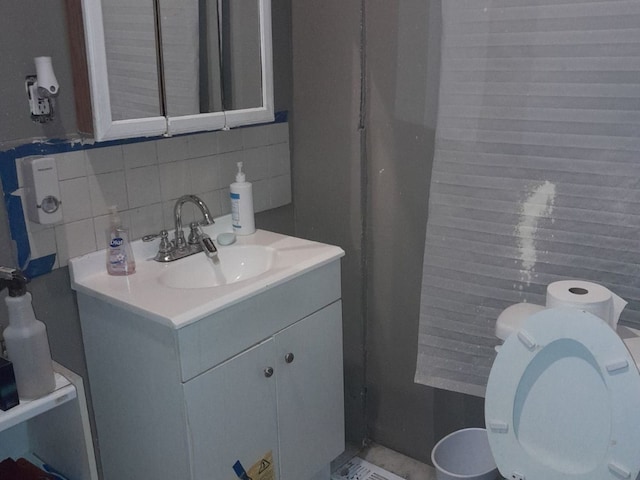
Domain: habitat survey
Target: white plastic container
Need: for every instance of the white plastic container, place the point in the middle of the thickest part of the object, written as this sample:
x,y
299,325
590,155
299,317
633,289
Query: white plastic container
x,y
120,260
28,349
242,214
464,455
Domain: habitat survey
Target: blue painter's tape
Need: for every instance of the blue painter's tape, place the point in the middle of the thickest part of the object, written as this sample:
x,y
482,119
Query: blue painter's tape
x,y
8,172
53,472
240,471
40,266
281,117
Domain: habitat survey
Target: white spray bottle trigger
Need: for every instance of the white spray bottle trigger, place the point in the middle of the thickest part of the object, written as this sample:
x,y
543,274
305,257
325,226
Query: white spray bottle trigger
x,y
240,176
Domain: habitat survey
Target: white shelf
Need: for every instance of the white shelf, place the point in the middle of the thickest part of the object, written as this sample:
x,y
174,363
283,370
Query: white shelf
x,y
27,409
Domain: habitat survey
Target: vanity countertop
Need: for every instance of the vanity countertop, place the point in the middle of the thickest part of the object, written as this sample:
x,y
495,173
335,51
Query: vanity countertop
x,y
148,293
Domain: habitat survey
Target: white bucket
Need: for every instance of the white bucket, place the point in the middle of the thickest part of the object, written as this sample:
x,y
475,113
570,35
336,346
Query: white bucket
x,y
464,455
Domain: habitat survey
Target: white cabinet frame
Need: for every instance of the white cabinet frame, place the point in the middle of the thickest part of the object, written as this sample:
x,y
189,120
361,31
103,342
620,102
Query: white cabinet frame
x,y
105,128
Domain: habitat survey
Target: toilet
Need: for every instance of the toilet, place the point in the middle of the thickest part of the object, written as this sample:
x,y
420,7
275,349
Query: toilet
x,y
563,400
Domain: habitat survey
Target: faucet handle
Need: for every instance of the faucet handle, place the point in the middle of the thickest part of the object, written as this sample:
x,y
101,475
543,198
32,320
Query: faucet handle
x,y
165,244
151,237
166,247
195,233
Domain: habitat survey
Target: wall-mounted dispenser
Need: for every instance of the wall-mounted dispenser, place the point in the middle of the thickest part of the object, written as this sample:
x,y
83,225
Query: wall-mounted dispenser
x,y
42,192
41,90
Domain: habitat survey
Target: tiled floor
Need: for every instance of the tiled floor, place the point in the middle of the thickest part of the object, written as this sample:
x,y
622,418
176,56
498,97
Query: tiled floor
x,y
391,461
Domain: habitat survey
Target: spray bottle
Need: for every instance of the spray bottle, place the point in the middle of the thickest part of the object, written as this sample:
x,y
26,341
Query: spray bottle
x,y
26,339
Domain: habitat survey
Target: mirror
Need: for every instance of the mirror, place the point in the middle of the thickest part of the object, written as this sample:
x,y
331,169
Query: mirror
x,y
165,67
131,59
211,56
242,79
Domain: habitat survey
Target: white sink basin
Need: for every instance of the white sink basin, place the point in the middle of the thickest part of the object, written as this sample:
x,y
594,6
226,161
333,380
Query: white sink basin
x,y
234,264
181,292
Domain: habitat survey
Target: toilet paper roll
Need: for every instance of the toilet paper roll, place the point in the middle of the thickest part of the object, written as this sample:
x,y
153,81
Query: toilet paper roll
x,y
587,296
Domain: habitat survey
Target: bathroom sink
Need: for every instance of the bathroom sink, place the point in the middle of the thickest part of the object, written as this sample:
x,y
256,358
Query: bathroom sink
x,y
234,264
181,292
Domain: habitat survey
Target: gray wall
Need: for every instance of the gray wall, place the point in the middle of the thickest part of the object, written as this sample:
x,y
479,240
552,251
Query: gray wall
x,y
400,141
389,160
281,35
29,29
327,169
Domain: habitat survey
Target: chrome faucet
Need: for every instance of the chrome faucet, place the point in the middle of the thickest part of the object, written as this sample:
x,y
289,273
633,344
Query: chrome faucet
x,y
198,241
179,240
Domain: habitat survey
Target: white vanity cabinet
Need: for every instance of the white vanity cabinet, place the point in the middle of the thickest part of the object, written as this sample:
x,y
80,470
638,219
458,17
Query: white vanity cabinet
x,y
284,395
262,375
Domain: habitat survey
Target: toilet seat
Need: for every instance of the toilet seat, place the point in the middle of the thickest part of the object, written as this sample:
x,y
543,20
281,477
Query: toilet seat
x,y
562,401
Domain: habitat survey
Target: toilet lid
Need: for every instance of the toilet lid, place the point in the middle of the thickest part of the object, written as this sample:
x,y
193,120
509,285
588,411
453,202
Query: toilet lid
x,y
563,401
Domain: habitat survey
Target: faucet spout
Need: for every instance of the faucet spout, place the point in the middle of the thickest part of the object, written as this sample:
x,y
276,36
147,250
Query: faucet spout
x,y
208,247
177,215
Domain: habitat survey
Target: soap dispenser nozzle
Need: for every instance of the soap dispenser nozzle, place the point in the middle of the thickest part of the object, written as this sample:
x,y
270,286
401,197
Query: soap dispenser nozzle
x,y
240,176
14,280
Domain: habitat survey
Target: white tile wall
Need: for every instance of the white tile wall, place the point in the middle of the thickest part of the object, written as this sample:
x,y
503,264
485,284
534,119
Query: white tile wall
x,y
75,198
143,186
71,165
145,178
230,141
173,149
103,160
107,189
73,239
203,144
146,220
204,173
280,190
142,154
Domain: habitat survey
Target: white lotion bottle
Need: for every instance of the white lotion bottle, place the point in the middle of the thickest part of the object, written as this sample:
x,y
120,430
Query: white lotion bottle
x,y
28,349
242,215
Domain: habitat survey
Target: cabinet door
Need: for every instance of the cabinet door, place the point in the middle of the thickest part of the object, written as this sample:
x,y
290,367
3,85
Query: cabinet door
x,y
231,410
310,393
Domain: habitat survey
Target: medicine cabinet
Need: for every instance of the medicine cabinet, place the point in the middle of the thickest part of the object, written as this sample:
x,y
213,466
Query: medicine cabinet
x,y
161,67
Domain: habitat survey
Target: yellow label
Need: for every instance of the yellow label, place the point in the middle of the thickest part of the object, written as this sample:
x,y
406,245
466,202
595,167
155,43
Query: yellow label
x,y
263,468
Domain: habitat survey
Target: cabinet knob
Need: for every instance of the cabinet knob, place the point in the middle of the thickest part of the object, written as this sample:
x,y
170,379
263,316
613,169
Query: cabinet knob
x,y
268,372
289,357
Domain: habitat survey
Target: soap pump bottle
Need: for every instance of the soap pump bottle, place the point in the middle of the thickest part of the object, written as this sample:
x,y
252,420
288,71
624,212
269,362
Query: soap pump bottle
x,y
26,339
242,215
120,260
